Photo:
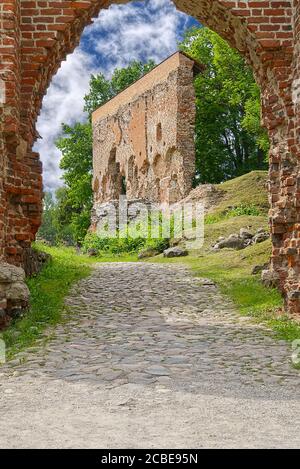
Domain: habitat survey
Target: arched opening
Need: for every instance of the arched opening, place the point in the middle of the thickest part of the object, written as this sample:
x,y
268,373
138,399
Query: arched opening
x,y
158,132
123,185
116,180
158,165
132,177
39,46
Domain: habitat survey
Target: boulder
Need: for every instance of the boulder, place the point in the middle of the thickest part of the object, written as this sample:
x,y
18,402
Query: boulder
x,y
175,252
233,242
245,234
10,273
270,278
92,252
14,293
148,252
260,237
241,240
18,293
259,268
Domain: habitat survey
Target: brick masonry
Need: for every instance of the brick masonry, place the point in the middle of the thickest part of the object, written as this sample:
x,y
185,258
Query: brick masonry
x,y
35,37
143,139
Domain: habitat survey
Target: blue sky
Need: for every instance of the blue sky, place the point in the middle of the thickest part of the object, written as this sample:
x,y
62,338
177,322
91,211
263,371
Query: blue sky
x,y
135,31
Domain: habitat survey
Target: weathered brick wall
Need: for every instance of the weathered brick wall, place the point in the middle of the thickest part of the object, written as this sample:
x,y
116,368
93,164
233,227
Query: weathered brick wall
x,y
21,183
287,260
37,34
145,135
9,102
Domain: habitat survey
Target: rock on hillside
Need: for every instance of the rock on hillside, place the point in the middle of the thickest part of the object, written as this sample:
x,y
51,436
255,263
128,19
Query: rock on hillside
x,y
242,240
209,194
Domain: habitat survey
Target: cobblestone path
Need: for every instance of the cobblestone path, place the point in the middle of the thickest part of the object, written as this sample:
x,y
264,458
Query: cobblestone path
x,y
151,357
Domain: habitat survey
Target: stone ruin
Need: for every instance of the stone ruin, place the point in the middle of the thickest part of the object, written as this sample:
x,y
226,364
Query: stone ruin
x,y
14,293
143,138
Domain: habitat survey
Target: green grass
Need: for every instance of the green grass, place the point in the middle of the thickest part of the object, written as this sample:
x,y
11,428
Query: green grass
x,y
249,190
237,211
47,293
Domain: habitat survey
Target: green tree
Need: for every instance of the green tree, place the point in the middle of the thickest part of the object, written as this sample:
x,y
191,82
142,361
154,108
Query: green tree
x,y
76,163
56,224
229,139
47,229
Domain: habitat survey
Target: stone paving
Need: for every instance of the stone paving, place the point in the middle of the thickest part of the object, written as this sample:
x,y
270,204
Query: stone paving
x,y
154,329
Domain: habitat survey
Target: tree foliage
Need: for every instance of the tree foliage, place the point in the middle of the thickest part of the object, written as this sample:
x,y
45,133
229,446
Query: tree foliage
x,y
48,230
229,139
75,201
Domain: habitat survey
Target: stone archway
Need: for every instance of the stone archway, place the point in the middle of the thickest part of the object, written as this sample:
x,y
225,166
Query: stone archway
x,y
37,35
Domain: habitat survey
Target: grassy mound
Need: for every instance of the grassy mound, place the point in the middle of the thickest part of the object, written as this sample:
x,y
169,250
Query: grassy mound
x,y
247,190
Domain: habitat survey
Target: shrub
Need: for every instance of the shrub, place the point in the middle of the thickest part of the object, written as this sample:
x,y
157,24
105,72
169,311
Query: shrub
x,y
120,244
238,211
113,245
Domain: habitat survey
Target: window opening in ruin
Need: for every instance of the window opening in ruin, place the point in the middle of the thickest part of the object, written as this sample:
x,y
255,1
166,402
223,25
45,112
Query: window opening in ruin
x,y
123,185
158,132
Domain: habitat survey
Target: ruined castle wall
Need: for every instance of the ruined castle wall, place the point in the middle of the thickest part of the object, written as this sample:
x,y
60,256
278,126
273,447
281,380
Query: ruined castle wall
x,y
144,137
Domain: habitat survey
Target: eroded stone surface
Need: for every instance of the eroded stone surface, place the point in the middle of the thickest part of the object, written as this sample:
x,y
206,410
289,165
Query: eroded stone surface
x,y
143,138
14,293
149,345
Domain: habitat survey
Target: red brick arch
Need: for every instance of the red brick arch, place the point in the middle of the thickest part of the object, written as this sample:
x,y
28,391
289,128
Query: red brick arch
x,y
36,35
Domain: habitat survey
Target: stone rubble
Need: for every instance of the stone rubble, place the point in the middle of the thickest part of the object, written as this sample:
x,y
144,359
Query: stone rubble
x,y
14,293
242,240
148,252
175,252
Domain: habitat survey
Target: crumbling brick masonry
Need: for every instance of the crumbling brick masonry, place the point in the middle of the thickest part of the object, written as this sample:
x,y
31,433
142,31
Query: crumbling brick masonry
x,y
143,138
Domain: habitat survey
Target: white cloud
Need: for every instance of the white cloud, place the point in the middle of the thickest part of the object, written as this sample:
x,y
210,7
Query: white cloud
x,y
150,31
63,103
122,33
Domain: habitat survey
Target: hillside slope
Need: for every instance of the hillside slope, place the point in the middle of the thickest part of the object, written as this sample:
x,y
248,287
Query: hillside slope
x,y
247,190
